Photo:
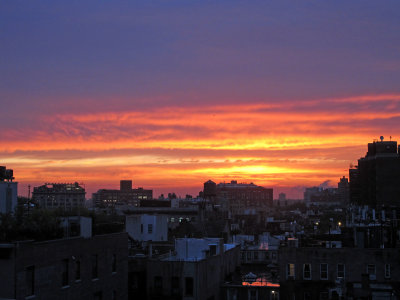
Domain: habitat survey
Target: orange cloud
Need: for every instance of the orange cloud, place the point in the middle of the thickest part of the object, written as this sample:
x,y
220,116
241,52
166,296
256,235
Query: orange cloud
x,y
284,144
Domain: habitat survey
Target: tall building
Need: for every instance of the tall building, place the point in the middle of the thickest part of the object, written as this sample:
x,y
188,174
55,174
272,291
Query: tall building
x,y
343,190
8,191
376,180
125,195
59,195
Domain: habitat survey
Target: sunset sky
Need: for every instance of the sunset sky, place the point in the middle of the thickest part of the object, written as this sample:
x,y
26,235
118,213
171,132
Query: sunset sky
x,y
285,94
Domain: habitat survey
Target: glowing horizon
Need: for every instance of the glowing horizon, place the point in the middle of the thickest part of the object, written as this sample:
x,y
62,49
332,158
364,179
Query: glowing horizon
x,y
280,146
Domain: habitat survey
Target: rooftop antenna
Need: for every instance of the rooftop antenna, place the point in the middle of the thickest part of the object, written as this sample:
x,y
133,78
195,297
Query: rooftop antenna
x,y
381,138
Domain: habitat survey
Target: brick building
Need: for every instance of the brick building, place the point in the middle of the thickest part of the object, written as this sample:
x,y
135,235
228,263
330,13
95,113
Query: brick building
x,y
333,273
73,268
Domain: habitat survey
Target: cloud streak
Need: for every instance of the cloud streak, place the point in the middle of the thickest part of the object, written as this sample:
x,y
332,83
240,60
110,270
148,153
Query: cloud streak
x,y
279,144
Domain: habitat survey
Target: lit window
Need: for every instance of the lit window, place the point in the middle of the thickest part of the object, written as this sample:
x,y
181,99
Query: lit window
x,y
290,271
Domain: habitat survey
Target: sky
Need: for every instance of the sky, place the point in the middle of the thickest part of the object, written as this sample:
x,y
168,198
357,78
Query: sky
x,y
170,94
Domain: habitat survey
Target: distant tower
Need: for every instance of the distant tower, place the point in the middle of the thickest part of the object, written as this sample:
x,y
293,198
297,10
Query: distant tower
x,y
210,189
282,197
344,190
125,185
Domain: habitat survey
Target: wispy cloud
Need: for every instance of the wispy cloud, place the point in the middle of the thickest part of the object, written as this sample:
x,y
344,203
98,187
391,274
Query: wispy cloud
x,y
274,144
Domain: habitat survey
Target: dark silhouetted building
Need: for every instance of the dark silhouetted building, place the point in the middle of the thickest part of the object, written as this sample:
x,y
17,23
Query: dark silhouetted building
x,y
242,196
73,268
210,189
339,273
8,191
59,195
124,196
195,270
343,191
376,180
125,185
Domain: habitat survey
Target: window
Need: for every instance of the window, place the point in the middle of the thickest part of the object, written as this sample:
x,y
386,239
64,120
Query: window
x,y
371,271
266,255
249,255
158,284
290,271
95,266
307,296
77,270
114,295
387,271
30,280
253,295
141,228
114,263
64,274
324,271
340,271
324,295
213,249
149,228
175,286
98,296
255,255
307,271
189,286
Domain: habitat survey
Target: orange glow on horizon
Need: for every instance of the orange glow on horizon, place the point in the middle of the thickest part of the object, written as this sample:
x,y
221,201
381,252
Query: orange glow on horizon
x,y
277,145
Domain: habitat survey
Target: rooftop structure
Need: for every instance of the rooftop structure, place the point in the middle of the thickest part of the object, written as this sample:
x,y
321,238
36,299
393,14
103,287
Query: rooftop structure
x,y
8,191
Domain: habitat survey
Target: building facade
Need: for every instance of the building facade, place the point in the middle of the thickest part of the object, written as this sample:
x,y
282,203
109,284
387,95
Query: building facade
x,y
59,195
196,270
124,196
376,180
74,268
332,273
242,197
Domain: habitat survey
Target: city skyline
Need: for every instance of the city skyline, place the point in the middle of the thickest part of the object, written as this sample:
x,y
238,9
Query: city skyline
x,y
285,95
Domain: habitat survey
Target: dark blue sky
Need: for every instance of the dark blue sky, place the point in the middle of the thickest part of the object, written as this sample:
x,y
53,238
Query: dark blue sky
x,y
56,55
172,93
